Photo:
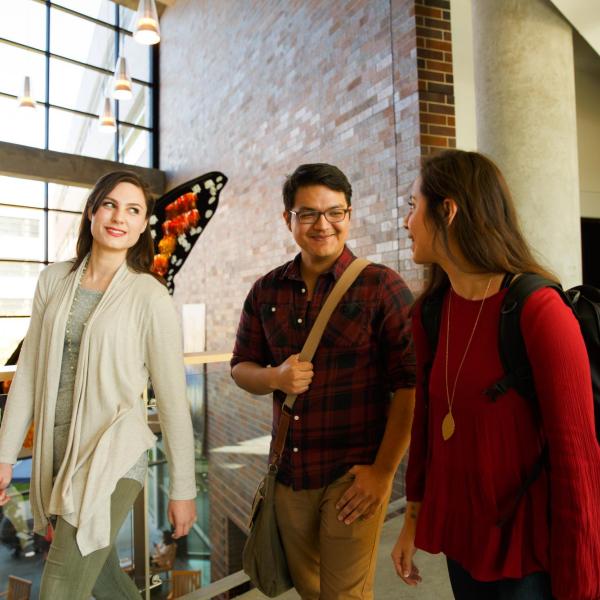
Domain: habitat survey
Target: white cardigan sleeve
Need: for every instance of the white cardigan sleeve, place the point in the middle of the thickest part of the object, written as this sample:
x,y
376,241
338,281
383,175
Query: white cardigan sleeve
x,y
164,351
19,405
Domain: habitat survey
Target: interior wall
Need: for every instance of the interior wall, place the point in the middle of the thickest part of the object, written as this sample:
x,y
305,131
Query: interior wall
x,y
253,89
464,76
587,93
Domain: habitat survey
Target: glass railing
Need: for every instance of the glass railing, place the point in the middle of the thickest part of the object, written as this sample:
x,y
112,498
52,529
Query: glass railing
x,y
231,446
144,541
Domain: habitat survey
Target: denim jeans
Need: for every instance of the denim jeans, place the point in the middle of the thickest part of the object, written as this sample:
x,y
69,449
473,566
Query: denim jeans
x,y
531,587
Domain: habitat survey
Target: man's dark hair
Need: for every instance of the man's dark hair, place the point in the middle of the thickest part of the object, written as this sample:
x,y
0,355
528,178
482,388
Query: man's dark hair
x,y
315,174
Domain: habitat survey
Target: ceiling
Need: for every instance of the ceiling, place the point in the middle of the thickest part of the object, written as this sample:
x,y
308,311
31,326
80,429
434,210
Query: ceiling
x,y
584,16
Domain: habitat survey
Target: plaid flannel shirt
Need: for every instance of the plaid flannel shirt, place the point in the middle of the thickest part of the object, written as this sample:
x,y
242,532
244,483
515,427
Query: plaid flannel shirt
x,y
365,354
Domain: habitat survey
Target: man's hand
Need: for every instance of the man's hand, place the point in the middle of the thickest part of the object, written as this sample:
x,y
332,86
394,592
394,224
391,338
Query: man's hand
x,y
182,515
294,376
369,490
402,556
5,479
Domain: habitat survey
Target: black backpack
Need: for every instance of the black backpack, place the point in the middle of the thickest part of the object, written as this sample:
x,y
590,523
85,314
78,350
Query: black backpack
x,y
583,300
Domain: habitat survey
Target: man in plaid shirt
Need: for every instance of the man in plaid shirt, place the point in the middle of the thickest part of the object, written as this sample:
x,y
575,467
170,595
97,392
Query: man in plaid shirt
x,y
351,421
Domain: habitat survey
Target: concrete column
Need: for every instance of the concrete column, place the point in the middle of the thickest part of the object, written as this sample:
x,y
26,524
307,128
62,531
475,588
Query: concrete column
x,y
526,122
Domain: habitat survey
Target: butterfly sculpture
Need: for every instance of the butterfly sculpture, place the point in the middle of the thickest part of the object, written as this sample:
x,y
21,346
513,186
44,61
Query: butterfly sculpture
x,y
179,217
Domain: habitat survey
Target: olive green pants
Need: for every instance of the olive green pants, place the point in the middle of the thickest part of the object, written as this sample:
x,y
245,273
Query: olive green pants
x,y
67,574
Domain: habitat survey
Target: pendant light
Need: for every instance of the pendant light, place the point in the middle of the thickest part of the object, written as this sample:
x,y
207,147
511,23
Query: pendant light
x,y
26,101
146,30
107,122
122,82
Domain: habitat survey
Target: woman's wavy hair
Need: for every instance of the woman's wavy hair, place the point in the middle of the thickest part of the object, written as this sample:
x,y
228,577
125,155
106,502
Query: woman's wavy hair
x,y
140,256
486,227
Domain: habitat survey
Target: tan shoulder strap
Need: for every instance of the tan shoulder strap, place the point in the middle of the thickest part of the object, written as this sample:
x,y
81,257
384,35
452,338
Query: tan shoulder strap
x,y
347,278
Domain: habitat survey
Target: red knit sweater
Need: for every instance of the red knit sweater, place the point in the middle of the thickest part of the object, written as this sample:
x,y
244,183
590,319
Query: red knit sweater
x,y
469,480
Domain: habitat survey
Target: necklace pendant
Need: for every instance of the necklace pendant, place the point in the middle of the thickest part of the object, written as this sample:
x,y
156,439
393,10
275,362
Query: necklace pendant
x,y
448,427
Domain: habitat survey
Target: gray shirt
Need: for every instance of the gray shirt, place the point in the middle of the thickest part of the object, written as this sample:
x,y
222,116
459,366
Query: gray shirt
x,y
84,303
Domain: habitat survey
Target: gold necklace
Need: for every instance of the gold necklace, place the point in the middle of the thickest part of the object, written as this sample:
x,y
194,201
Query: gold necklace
x,y
448,424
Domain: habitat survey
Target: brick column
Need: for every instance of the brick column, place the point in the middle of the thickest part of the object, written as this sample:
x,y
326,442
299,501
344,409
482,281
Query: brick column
x,y
434,66
423,100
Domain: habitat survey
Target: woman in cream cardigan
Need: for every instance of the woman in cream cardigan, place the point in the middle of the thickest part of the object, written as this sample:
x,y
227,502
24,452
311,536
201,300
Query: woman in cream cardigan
x,y
101,325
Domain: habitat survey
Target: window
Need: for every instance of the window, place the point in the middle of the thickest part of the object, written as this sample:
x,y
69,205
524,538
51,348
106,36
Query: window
x,y
38,225
69,48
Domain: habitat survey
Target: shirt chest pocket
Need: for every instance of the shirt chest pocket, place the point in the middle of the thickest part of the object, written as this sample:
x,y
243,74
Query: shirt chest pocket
x,y
349,326
277,324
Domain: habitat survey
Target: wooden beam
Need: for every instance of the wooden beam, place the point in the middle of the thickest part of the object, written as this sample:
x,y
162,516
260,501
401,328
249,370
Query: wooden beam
x,y
67,169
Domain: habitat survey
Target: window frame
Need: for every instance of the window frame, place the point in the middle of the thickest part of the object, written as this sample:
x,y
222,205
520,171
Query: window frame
x,y
46,105
118,31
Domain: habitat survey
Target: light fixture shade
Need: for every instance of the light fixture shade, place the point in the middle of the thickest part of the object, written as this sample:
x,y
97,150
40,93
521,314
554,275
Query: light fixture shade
x,y
107,121
146,30
122,82
26,101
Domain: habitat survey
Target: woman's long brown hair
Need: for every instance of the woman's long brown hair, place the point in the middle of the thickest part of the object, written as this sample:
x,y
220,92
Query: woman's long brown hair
x,y
140,256
485,228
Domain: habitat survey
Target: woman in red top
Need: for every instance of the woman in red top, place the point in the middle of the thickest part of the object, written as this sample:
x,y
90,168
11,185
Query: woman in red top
x,y
468,456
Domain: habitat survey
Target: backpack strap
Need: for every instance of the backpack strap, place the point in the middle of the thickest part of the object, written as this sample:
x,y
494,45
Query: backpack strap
x,y
536,471
431,318
517,368
513,353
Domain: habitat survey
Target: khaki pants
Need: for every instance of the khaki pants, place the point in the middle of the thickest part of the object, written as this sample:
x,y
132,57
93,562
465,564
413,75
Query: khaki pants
x,y
328,560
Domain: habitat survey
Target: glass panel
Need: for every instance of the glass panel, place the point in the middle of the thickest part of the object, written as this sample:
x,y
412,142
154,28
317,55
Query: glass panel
x,y
126,18
138,110
21,126
138,57
16,527
231,460
134,146
16,63
79,135
67,197
103,10
17,281
76,87
62,235
24,22
13,331
82,40
25,192
22,234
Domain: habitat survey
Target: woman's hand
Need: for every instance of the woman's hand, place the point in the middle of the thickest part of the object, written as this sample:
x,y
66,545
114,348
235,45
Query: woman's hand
x,y
404,550
182,515
5,479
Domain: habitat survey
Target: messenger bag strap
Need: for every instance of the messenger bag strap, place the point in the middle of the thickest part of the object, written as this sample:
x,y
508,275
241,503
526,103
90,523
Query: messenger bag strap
x,y
347,278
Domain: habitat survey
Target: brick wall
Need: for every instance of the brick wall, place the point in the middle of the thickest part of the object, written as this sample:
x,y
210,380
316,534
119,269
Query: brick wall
x,y
255,88
434,63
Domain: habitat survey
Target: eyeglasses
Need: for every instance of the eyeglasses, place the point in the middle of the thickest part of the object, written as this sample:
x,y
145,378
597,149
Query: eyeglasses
x,y
309,217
